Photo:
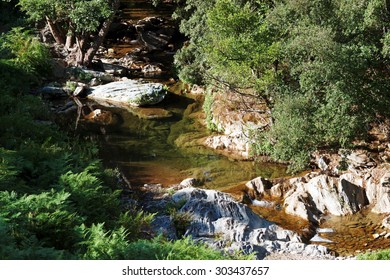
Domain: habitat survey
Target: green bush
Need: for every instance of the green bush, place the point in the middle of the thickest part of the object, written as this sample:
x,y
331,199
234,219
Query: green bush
x,y
100,244
137,223
88,195
291,138
26,52
378,255
183,249
47,216
208,110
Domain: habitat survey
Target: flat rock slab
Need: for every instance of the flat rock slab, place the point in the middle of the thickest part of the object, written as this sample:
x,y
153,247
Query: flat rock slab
x,y
129,92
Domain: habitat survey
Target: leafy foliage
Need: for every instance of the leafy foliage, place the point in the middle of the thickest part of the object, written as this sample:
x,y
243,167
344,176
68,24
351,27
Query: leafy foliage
x,y
26,51
190,60
378,255
74,12
184,249
239,47
321,66
79,25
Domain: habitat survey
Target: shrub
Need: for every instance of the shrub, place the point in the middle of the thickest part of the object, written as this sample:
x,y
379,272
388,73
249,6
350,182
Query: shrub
x,y
47,216
183,249
378,255
100,244
26,51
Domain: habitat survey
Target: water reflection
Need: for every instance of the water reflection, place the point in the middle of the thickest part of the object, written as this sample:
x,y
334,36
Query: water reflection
x,y
168,150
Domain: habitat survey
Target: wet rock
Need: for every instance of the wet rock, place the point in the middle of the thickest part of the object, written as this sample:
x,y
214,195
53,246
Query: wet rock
x,y
52,92
386,222
102,117
130,92
217,214
153,41
151,70
80,91
260,186
155,33
190,183
263,203
116,70
163,225
317,238
86,75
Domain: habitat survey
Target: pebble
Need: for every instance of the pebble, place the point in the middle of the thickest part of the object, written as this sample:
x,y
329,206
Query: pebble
x,y
375,235
325,230
387,235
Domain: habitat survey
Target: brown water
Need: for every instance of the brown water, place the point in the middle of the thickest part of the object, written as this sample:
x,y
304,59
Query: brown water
x,y
139,9
165,151
354,234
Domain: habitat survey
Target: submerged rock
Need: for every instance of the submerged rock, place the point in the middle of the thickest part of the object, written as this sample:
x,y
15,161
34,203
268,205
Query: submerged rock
x,y
216,214
130,92
102,117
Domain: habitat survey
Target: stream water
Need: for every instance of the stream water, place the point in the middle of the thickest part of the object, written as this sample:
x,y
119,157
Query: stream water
x,y
167,150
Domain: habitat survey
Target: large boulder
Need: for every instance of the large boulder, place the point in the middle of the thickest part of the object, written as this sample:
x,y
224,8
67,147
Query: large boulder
x,y
215,214
129,92
324,194
378,193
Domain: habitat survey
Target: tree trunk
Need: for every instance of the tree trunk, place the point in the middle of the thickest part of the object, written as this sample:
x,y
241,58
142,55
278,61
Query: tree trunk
x,y
70,38
80,52
56,31
100,36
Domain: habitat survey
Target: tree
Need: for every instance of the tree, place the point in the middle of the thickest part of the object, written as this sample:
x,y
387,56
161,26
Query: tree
x,y
79,25
190,60
333,61
322,66
241,50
